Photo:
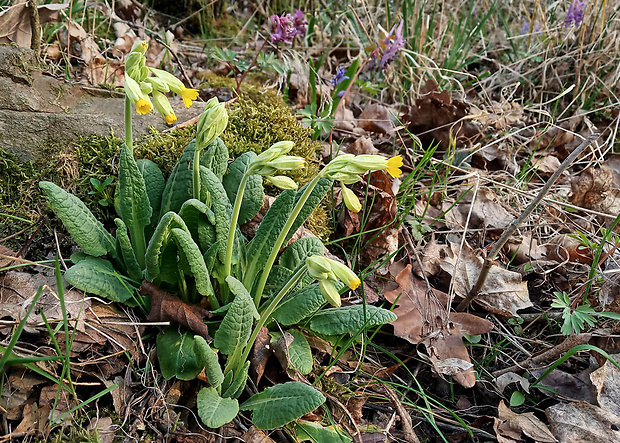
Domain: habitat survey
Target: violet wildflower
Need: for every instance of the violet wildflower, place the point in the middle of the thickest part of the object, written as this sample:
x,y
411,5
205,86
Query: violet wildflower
x,y
339,77
393,43
300,22
284,28
526,28
575,13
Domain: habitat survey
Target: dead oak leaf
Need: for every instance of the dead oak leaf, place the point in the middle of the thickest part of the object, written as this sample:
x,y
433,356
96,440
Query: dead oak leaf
x,y
422,318
485,210
582,422
503,293
509,426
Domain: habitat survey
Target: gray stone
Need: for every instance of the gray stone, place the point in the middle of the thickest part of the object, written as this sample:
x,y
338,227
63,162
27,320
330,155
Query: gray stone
x,y
36,108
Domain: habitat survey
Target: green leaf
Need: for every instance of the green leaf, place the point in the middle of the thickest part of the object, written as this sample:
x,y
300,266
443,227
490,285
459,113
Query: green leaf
x,y
200,221
176,354
237,288
254,193
281,404
158,243
127,252
517,399
263,242
215,411
179,185
236,327
155,184
97,276
214,194
134,206
235,388
195,260
85,229
317,194
314,432
300,354
299,305
208,358
349,319
215,158
278,277
298,251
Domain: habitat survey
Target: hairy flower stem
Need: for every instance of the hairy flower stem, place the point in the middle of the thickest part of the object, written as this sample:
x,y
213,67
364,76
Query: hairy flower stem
x,y
233,223
276,248
266,315
128,131
196,175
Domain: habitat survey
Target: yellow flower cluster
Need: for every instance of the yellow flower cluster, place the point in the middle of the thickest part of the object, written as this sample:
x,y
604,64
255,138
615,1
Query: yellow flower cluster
x,y
139,84
327,271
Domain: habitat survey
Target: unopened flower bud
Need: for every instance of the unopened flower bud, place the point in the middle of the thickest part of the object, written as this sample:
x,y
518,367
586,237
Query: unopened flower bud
x,y
350,199
281,181
211,123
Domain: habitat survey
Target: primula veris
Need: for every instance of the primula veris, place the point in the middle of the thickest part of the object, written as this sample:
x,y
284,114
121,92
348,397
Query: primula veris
x,y
163,107
187,94
350,199
211,123
348,167
327,271
393,166
136,96
281,181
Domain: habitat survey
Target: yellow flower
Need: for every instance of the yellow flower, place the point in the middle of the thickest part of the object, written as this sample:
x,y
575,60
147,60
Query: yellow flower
x,y
393,166
327,271
350,199
143,106
163,106
188,95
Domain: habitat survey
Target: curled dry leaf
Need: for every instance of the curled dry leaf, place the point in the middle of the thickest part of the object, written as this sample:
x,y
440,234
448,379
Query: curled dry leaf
x,y
593,189
503,292
167,307
422,318
509,426
380,219
255,435
362,146
524,249
487,211
260,353
563,248
436,117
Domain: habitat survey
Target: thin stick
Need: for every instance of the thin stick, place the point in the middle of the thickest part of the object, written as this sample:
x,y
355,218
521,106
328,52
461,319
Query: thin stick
x,y
548,355
488,262
35,25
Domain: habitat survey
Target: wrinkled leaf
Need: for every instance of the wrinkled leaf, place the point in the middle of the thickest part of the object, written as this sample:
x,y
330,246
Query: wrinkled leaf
x,y
176,354
215,411
350,319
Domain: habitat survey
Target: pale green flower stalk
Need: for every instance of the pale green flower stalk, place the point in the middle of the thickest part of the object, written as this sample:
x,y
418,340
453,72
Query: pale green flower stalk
x,y
266,163
211,124
345,168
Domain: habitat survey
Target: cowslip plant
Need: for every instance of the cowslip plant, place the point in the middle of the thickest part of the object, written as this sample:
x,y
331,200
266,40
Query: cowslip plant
x,y
183,236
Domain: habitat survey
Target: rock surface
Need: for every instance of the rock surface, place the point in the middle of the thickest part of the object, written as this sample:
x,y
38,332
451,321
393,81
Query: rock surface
x,y
36,108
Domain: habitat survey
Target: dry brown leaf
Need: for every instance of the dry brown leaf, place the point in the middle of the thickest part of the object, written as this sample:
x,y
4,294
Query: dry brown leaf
x,y
15,22
503,292
362,146
167,307
5,253
510,425
422,319
524,250
431,255
564,247
104,428
582,422
546,165
487,211
376,118
281,351
255,435
17,290
593,189
563,385
435,117
260,353
606,380
382,214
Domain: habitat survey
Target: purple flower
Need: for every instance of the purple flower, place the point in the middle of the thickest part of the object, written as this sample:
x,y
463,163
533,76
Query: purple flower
x,y
339,77
300,22
393,43
284,28
527,26
575,13
341,94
